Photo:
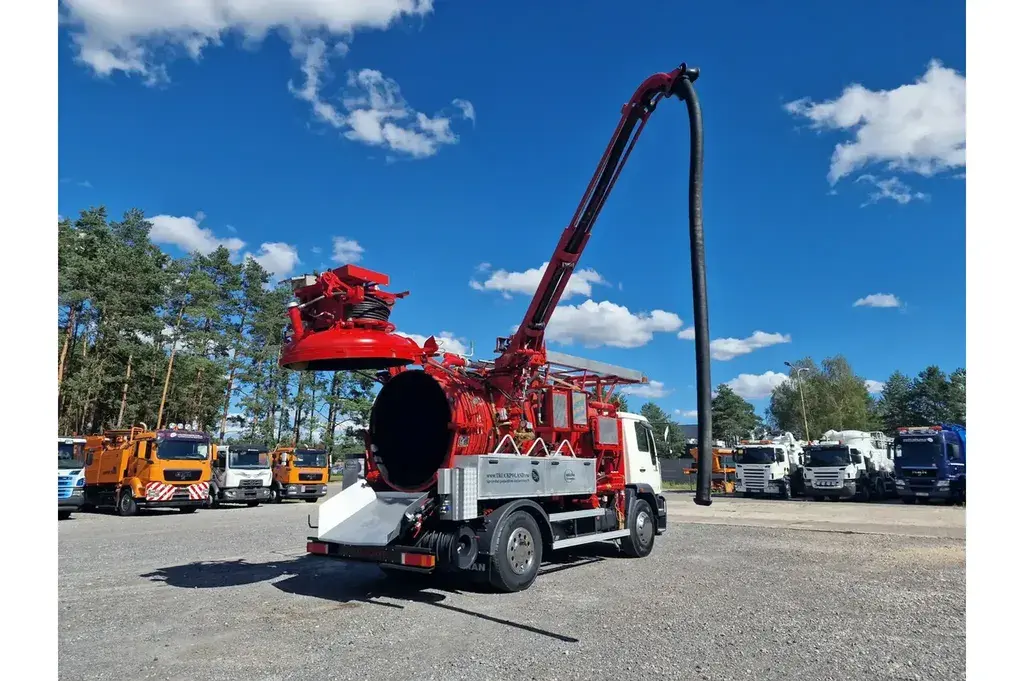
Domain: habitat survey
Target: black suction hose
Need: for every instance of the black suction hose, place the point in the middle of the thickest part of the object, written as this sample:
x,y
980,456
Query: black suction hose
x,y
685,91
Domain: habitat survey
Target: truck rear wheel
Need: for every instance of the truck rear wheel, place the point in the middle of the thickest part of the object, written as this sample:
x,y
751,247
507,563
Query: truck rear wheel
x,y
640,541
515,563
126,505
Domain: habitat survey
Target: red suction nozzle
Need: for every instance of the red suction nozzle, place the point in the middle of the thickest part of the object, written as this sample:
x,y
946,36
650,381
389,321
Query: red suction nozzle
x,y
339,322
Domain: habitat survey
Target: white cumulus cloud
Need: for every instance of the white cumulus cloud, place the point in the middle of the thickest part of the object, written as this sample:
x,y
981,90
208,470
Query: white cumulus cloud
x,y
757,386
688,333
687,413
185,233
874,387
878,300
728,348
446,341
594,324
652,390
580,282
135,36
919,127
347,250
373,110
277,258
141,37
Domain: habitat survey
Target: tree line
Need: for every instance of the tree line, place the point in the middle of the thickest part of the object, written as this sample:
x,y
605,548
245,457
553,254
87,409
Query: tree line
x,y
145,337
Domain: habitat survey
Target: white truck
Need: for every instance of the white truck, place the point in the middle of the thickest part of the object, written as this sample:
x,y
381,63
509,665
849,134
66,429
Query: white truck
x,y
770,466
241,475
70,475
850,464
498,513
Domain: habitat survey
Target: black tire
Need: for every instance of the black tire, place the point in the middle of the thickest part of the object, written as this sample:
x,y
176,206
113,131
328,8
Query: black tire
x,y
214,496
642,527
188,509
819,498
863,492
252,504
908,500
63,515
787,491
275,495
520,549
312,501
126,505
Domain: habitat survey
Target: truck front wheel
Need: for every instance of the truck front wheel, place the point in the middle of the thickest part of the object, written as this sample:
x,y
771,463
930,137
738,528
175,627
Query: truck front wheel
x,y
63,515
515,563
126,505
640,541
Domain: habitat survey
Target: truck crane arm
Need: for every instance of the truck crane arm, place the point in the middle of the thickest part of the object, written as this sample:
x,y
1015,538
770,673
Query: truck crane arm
x,y
526,346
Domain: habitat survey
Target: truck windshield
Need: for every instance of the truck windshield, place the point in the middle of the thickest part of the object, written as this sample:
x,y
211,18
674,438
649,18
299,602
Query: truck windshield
x,y
823,457
182,450
310,458
917,451
756,455
70,454
252,458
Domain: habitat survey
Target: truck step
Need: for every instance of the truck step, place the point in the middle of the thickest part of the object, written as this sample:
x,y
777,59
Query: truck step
x,y
588,539
575,515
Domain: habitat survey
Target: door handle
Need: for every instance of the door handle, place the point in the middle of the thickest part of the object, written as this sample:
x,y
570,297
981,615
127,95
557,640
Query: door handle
x,y
643,470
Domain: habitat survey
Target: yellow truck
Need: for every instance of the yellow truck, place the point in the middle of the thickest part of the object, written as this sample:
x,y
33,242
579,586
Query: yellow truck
x,y
139,468
299,473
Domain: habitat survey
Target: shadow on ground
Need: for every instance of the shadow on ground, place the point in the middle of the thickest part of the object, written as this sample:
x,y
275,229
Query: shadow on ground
x,y
345,582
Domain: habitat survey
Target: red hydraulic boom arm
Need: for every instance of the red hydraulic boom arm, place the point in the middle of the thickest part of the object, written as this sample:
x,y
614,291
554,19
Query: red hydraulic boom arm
x,y
529,337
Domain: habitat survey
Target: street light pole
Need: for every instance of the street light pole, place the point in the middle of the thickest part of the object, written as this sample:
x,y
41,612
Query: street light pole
x,y
803,404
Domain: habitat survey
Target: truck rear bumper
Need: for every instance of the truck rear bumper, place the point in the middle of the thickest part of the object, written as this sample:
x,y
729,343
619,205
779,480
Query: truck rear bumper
x,y
412,557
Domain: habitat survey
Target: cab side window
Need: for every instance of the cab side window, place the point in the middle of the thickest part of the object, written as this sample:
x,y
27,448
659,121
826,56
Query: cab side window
x,y
641,437
952,451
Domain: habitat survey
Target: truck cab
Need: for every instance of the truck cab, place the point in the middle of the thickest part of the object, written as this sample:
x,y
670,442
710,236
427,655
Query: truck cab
x,y
138,468
640,452
299,473
70,475
241,474
772,466
931,463
849,464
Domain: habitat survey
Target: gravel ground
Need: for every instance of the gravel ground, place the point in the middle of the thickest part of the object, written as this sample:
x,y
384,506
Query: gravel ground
x,y
741,590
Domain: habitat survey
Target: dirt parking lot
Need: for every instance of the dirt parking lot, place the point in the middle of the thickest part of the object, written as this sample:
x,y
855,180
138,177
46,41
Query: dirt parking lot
x,y
744,589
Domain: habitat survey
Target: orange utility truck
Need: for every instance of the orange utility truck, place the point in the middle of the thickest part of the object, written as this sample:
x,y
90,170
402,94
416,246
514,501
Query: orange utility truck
x,y
139,468
299,473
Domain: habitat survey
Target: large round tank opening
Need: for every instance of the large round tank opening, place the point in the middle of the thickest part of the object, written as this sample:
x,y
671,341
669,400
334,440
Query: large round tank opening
x,y
409,426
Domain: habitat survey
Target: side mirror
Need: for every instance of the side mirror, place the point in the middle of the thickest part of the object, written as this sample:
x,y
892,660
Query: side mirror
x,y
857,458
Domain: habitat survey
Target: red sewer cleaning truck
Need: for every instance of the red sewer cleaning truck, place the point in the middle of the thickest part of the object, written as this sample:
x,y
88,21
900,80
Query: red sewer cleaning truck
x,y
483,467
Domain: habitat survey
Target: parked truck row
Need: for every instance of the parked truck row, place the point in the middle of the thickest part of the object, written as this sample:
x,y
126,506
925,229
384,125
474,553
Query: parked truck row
x,y
126,470
920,463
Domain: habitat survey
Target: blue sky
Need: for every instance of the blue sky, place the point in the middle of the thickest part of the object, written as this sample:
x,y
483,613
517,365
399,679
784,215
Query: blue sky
x,y
289,144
